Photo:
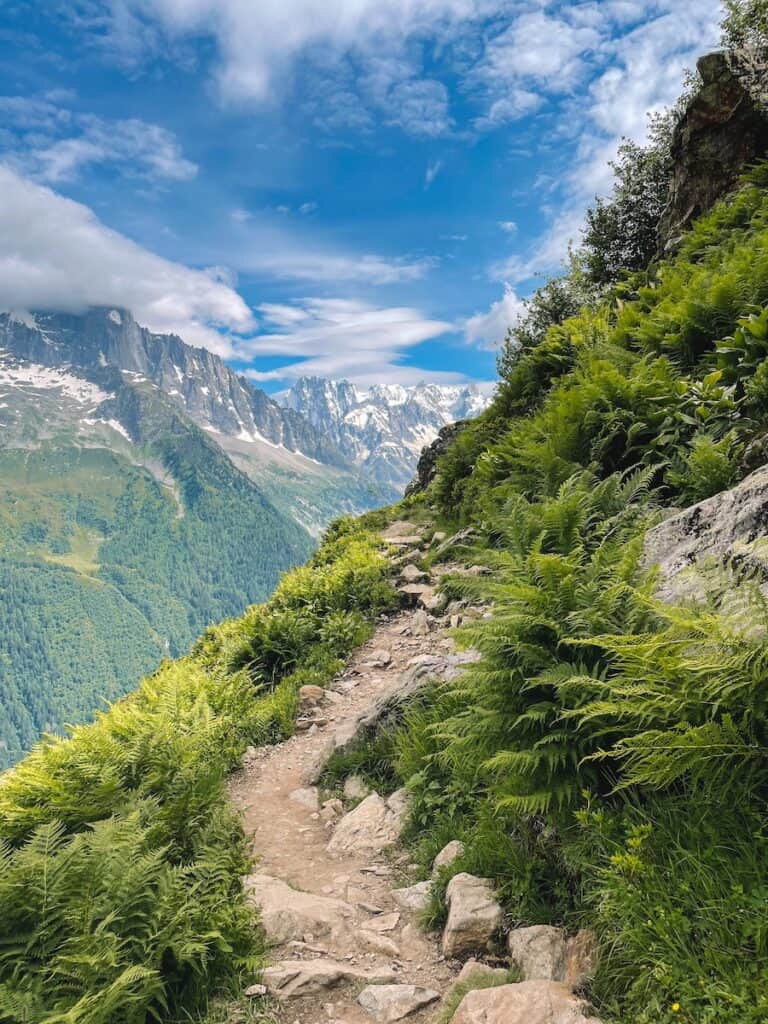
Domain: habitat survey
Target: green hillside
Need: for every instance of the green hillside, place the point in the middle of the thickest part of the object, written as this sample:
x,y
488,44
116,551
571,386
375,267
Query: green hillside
x,y
121,864
605,762
106,568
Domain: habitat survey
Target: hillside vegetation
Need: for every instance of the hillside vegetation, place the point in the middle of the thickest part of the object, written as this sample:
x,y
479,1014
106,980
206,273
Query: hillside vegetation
x,y
105,570
605,761
121,859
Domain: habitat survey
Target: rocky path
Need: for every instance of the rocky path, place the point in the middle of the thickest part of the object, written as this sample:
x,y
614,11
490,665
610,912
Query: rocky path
x,y
334,912
336,894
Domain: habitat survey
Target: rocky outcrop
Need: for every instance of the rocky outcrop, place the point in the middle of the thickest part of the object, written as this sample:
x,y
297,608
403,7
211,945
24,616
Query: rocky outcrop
x,y
530,1002
728,529
426,468
474,916
723,129
194,379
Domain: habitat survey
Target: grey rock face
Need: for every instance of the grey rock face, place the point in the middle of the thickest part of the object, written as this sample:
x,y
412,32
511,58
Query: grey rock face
x,y
730,527
426,467
196,380
383,430
722,131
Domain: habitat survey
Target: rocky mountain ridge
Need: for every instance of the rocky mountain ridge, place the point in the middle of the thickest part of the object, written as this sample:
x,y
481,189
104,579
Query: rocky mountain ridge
x,y
194,379
383,429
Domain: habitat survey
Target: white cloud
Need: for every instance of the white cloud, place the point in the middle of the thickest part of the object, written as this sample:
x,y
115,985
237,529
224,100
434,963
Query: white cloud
x,y
644,46
258,42
419,107
432,171
288,259
509,226
488,330
57,255
343,338
54,144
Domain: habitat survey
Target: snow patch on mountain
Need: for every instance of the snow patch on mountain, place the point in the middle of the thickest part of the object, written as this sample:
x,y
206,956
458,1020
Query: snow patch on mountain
x,y
383,429
17,374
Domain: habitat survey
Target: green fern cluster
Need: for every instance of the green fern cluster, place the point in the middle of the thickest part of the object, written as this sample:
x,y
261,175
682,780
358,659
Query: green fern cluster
x,y
120,860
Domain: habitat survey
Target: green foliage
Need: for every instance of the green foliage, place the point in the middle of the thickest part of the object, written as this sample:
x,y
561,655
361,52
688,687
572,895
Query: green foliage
x,y
677,890
103,572
643,378
622,231
705,467
121,860
746,23
589,760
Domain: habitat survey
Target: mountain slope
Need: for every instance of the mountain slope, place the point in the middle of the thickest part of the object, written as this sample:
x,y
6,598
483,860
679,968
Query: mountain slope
x,y
383,430
299,467
124,530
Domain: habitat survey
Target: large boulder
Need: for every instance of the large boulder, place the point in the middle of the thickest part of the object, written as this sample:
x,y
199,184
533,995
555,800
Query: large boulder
x,y
529,1002
372,826
725,529
722,131
288,913
292,979
474,916
388,1003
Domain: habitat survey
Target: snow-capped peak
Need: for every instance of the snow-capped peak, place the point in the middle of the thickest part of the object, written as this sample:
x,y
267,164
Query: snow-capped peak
x,y
383,428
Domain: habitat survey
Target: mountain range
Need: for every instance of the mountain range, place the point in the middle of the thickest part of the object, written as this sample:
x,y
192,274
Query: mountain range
x,y
383,429
149,490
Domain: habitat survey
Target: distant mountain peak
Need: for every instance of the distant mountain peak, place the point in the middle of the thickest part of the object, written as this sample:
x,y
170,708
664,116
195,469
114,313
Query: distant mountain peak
x,y
383,428
196,380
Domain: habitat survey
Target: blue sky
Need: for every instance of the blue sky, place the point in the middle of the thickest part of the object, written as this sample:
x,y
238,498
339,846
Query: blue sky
x,y
357,188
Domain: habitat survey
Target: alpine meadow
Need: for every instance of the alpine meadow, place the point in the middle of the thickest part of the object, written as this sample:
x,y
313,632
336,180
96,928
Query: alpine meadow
x,y
497,752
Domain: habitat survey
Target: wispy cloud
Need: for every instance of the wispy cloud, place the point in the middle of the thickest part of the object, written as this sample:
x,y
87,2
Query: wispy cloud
x,y
634,64
342,338
432,171
54,144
